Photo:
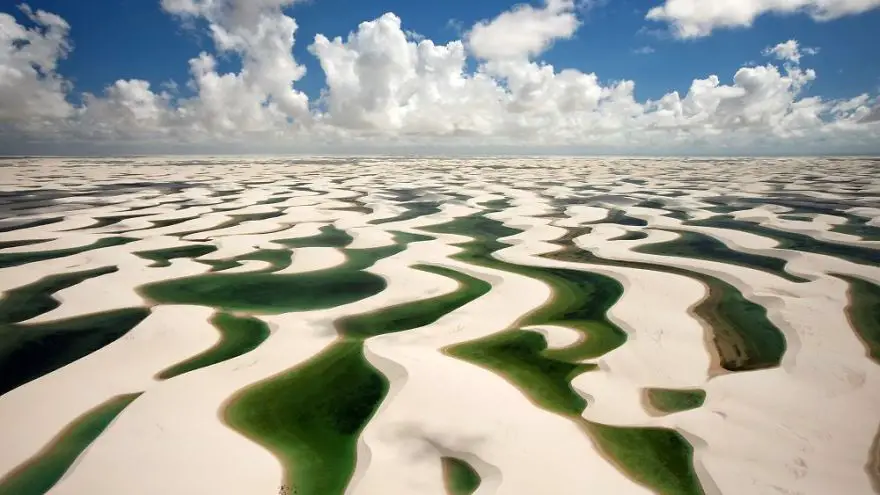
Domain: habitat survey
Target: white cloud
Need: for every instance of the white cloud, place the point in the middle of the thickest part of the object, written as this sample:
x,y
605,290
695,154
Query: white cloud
x,y
258,100
872,115
388,88
263,36
32,94
789,51
229,13
644,50
524,31
379,79
696,18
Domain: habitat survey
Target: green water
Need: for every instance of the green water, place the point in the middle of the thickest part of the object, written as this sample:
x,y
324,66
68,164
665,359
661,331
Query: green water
x,y
743,335
33,223
858,226
16,259
459,477
873,465
109,220
26,302
666,210
364,210
410,237
278,259
329,236
311,416
28,352
724,209
274,200
581,299
658,458
40,473
239,335
158,224
631,236
496,204
413,210
699,246
621,218
797,242
655,457
520,356
220,265
22,242
234,221
672,400
864,313
163,257
580,302
267,293
417,313
800,218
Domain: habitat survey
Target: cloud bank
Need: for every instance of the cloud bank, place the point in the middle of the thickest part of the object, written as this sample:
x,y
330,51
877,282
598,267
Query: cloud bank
x,y
389,89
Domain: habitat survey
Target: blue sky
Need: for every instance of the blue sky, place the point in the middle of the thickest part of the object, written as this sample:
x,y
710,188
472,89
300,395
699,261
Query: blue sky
x,y
827,100
119,39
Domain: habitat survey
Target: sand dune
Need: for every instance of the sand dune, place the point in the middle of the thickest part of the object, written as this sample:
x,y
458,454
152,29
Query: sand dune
x,y
407,264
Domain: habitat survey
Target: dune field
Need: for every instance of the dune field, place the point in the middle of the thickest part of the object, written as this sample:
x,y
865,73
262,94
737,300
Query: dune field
x,y
322,326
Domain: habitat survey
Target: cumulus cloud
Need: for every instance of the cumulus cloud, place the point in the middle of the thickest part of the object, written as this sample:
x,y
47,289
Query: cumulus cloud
x,y
263,36
227,13
525,31
127,109
696,18
32,94
388,87
381,79
258,100
789,51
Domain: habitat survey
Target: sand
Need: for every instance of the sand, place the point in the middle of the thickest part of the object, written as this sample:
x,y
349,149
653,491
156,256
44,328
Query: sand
x,y
805,427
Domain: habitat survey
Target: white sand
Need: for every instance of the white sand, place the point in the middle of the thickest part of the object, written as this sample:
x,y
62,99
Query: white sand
x,y
805,427
557,337
170,335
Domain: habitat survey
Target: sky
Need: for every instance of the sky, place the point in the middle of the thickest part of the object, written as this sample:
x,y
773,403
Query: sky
x,y
630,77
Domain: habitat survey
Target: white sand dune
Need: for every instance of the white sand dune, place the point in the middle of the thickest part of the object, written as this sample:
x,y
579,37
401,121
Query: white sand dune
x,y
175,409
805,427
312,259
557,337
820,365
559,458
17,276
169,335
424,380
